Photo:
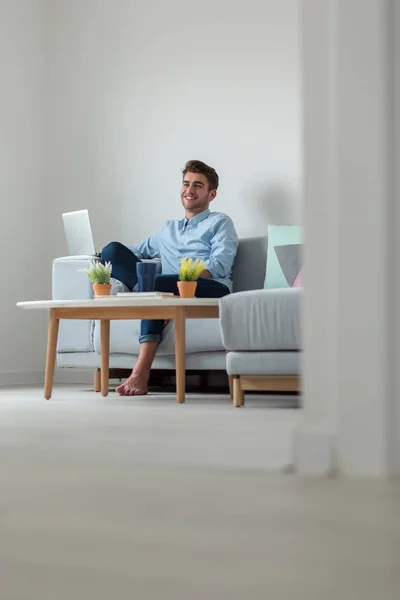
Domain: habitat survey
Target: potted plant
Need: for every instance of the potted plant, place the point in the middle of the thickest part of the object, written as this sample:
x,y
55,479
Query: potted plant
x,y
189,272
100,275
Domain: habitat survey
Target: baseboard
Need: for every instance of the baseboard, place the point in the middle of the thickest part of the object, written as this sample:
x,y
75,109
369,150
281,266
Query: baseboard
x,y
22,378
314,451
84,376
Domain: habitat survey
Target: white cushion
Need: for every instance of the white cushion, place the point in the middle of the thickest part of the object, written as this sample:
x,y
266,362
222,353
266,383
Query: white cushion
x,y
262,320
202,335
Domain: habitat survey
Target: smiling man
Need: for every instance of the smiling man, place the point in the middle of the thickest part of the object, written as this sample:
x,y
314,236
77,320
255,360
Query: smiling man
x,y
209,236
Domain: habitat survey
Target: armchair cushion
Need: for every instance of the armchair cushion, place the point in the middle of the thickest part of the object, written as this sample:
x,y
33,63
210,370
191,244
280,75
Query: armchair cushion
x,y
261,320
263,363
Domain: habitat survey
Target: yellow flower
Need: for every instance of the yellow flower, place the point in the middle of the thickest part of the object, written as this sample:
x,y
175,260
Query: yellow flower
x,y
190,269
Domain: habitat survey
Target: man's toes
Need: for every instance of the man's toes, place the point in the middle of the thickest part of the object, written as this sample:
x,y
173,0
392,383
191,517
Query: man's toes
x,y
131,390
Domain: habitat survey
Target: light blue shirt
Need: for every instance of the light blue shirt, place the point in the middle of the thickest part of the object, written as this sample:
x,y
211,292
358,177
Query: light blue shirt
x,y
209,236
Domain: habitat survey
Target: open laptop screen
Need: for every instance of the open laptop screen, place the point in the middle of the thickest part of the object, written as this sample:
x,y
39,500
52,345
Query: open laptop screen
x,y
78,233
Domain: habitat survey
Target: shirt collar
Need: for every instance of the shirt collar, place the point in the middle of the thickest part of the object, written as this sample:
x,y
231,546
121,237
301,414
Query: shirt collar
x,y
197,219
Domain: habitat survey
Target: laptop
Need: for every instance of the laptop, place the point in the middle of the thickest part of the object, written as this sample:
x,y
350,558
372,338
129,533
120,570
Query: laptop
x,y
79,233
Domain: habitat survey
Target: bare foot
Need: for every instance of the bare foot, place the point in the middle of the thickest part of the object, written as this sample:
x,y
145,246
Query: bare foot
x,y
134,386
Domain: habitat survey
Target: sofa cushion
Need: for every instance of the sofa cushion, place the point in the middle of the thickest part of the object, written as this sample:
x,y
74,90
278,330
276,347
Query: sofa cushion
x,y
263,363
248,272
284,259
262,320
298,282
202,335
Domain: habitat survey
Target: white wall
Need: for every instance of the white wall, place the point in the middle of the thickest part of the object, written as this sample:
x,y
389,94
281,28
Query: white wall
x,y
137,88
103,102
25,267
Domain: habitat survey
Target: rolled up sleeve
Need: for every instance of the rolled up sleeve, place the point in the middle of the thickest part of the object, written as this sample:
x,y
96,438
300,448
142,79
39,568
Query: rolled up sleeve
x,y
224,245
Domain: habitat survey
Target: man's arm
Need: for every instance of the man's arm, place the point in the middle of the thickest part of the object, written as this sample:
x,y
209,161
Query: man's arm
x,y
149,248
224,245
205,274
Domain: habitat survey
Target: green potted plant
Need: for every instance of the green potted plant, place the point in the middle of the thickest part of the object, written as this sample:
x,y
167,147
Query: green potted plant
x,y
100,276
189,272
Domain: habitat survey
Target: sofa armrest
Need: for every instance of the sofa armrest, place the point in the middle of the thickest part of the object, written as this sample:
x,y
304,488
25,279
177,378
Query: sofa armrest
x,y
69,283
262,320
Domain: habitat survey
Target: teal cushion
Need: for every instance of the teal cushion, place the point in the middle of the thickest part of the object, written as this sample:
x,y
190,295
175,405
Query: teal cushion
x,y
284,257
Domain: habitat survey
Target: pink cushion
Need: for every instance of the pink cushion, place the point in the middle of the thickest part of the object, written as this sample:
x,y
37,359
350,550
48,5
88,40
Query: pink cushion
x,y
298,282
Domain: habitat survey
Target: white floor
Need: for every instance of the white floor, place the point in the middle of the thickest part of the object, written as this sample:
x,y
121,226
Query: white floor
x,y
205,431
147,499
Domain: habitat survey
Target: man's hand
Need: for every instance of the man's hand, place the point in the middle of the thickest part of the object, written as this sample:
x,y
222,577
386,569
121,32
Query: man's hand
x,y
206,274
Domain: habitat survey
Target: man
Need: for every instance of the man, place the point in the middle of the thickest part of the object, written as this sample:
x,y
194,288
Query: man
x,y
209,236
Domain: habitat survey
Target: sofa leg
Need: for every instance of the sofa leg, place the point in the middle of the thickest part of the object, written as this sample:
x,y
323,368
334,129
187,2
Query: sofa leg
x,y
230,379
238,393
97,380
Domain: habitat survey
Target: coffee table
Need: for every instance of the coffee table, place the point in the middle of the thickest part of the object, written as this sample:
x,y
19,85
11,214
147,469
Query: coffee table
x,y
120,307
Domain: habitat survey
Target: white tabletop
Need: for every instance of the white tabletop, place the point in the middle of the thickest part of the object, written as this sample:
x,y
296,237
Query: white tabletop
x,y
120,301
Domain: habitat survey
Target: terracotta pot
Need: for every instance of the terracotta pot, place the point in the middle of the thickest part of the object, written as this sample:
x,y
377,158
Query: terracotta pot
x,y
101,289
187,289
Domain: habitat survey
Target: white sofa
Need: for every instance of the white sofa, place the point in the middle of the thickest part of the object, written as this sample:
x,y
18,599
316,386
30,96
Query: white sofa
x,y
79,341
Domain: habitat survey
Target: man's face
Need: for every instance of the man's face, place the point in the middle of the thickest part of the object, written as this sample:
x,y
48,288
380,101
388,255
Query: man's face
x,y
195,194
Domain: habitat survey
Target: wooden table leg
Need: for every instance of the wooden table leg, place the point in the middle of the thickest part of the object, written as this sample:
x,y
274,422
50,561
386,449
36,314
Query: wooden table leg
x,y
180,343
104,355
52,337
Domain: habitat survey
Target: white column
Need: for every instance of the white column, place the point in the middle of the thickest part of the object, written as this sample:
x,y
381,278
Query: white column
x,y
396,276
315,443
349,313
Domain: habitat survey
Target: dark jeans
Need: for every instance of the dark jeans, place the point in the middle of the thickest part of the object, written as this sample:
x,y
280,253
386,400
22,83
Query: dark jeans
x,y
124,262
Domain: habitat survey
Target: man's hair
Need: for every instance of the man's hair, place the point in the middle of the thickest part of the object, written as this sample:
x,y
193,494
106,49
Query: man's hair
x,y
196,166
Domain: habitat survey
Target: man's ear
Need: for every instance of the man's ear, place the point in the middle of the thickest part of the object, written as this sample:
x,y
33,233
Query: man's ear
x,y
213,193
